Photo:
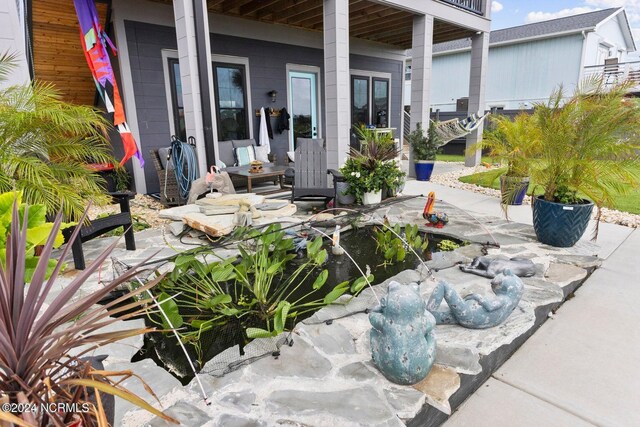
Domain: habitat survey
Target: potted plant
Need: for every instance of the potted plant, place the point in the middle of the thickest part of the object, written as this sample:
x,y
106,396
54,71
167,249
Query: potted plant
x,y
394,178
425,148
513,143
587,155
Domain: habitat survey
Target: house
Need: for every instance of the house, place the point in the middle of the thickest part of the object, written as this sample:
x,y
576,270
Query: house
x,y
201,68
527,62
14,39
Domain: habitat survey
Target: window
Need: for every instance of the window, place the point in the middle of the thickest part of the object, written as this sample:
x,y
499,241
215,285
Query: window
x,y
359,99
369,99
180,129
231,101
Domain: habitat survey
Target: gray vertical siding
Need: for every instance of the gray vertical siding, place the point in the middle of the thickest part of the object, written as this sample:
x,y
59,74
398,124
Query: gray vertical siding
x,y
267,68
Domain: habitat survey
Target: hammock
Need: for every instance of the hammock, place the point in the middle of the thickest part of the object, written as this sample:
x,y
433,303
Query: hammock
x,y
454,128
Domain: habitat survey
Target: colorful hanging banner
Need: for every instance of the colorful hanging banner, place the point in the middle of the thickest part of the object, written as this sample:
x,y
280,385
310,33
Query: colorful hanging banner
x,y
94,42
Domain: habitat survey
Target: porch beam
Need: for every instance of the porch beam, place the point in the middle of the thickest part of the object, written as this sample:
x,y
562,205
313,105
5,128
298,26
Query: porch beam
x,y
421,65
194,93
477,84
337,81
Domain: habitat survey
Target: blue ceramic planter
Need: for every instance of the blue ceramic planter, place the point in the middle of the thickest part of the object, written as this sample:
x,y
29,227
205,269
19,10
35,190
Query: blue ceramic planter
x,y
560,225
424,171
513,189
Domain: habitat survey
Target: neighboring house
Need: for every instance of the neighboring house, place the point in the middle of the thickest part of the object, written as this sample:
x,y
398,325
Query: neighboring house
x,y
527,62
14,39
202,68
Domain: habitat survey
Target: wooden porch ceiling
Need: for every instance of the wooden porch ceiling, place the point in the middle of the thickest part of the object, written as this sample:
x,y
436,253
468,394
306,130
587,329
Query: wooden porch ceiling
x,y
367,20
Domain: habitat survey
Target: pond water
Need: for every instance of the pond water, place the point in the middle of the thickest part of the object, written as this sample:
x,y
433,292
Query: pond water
x,y
163,348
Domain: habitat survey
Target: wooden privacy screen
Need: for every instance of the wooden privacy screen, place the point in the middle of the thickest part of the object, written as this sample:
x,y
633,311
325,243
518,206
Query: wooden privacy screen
x,y
57,53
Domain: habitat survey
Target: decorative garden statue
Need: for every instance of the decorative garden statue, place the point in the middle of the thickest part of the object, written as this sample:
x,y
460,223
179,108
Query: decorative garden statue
x,y
490,267
403,344
475,311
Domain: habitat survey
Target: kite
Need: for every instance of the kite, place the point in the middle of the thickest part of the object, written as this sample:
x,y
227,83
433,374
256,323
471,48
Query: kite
x,y
94,42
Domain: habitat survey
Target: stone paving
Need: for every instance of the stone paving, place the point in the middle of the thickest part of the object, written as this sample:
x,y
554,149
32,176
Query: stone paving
x,y
326,377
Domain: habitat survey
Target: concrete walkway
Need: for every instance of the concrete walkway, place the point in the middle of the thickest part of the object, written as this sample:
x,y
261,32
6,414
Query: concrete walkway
x,y
580,368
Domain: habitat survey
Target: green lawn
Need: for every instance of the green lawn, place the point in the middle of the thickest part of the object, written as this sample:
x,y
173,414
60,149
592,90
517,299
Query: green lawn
x,y
454,158
627,203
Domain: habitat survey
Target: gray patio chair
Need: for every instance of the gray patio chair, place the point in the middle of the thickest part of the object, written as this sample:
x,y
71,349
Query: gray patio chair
x,y
309,174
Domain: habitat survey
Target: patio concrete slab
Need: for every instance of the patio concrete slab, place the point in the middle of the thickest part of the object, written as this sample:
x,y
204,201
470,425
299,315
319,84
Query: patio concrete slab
x,y
497,404
585,360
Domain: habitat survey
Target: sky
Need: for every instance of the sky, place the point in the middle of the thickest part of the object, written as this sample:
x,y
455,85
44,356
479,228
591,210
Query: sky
x,y
510,13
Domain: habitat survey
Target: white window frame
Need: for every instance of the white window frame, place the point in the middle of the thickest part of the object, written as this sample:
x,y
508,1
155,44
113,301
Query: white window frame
x,y
305,69
238,60
166,55
173,54
371,75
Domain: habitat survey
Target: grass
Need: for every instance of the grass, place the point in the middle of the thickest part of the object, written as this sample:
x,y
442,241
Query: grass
x,y
626,203
455,158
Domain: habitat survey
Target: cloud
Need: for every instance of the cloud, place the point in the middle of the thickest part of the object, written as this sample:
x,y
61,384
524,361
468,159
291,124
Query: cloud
x,y
545,16
496,7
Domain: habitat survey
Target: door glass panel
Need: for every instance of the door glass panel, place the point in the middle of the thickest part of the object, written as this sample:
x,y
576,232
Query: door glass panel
x,y
380,102
304,105
359,100
231,101
301,107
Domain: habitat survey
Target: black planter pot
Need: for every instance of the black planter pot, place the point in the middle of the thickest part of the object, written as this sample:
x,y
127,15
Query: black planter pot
x,y
513,189
560,225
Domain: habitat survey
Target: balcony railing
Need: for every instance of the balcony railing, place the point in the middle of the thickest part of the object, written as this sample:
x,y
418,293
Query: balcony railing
x,y
475,6
613,74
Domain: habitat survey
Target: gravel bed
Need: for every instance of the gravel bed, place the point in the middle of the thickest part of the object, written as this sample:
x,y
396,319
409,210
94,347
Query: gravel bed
x,y
451,179
144,207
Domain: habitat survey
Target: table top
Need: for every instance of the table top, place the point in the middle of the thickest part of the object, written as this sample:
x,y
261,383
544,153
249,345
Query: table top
x,y
266,171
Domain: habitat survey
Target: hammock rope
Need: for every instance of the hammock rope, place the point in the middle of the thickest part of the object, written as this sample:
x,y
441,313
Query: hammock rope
x,y
454,128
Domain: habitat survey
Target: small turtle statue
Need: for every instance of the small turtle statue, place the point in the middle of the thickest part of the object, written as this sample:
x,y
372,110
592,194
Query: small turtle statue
x,y
403,343
434,219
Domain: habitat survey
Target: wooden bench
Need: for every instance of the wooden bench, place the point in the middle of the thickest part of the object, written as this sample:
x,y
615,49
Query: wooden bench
x,y
99,226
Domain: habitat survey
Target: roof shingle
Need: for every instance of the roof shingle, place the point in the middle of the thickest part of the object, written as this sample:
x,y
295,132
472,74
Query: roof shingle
x,y
569,23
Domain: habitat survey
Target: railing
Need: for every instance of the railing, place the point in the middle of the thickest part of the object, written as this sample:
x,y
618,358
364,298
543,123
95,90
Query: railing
x,y
475,6
613,74
407,123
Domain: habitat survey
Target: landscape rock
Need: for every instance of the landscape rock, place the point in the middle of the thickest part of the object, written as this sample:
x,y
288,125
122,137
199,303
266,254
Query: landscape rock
x,y
438,387
300,360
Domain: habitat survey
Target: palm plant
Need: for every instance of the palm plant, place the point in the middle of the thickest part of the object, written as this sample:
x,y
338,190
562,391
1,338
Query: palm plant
x,y
588,144
46,145
42,344
512,142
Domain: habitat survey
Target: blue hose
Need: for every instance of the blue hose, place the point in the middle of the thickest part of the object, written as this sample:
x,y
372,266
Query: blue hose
x,y
185,164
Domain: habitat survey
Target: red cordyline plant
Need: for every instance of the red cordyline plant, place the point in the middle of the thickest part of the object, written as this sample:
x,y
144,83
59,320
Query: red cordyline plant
x,y
44,348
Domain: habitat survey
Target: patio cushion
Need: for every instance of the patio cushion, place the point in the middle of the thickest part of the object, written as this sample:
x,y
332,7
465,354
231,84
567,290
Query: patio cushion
x,y
261,153
245,155
225,152
243,143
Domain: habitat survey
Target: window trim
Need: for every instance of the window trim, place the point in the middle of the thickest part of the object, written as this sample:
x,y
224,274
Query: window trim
x,y
368,79
371,75
235,60
216,98
167,56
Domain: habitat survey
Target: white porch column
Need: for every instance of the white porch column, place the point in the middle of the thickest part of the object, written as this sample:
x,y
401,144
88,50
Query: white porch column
x,y
421,64
336,81
187,54
477,83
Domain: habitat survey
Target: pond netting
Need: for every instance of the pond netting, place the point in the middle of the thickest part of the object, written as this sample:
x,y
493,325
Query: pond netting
x,y
226,348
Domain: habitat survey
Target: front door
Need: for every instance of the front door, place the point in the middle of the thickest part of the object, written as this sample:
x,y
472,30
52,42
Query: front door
x,y
303,101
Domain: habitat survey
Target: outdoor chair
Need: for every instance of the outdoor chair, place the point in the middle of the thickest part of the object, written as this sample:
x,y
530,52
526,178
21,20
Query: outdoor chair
x,y
309,174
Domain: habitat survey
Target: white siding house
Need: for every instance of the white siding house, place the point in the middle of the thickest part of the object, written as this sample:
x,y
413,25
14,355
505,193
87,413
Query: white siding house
x,y
12,38
527,62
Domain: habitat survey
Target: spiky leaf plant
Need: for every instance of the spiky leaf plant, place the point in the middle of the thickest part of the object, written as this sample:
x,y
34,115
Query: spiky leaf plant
x,y
42,344
46,145
589,144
